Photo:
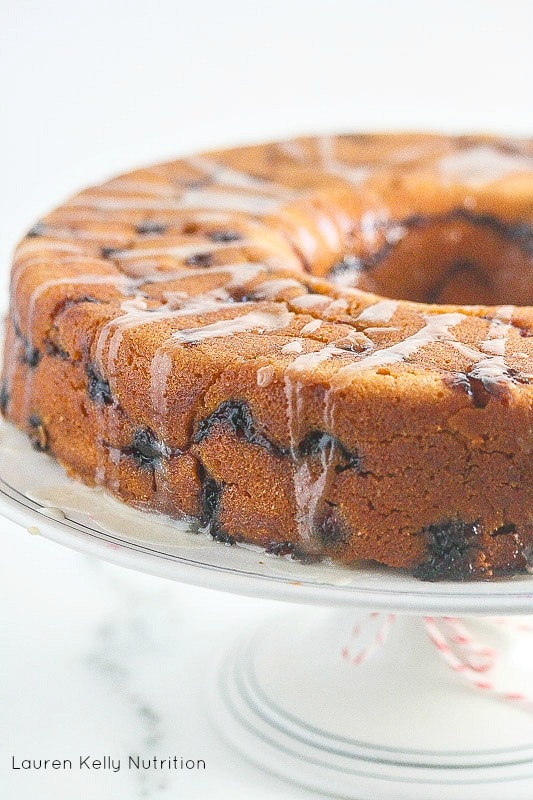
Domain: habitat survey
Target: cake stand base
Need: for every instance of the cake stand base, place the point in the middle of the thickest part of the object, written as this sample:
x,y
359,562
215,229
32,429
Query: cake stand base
x,y
319,699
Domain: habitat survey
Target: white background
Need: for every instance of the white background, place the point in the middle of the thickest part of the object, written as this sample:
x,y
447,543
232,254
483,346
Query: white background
x,y
89,89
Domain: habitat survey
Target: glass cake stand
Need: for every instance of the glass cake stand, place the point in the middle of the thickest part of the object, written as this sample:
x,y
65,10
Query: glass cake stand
x,y
364,693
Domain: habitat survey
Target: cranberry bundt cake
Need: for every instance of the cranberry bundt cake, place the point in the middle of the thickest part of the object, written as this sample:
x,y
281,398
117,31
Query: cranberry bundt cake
x,y
321,346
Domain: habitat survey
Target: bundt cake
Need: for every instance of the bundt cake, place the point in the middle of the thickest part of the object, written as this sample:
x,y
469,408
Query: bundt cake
x,y
322,346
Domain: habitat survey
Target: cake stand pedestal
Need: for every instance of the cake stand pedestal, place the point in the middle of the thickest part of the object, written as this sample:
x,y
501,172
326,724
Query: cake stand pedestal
x,y
334,697
401,724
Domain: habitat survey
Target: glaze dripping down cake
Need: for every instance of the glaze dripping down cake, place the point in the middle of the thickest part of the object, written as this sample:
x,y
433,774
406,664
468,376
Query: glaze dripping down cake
x,y
323,346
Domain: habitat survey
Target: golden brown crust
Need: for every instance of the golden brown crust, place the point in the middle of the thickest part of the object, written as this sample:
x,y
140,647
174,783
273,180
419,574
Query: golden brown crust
x,y
213,337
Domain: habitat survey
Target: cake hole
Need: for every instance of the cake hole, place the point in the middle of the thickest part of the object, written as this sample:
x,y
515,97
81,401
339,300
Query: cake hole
x,y
459,258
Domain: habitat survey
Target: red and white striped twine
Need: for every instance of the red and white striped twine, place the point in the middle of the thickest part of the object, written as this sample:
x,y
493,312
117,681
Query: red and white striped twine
x,y
454,642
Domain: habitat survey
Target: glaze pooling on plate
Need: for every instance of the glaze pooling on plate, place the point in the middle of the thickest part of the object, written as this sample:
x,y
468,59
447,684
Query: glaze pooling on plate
x,y
323,347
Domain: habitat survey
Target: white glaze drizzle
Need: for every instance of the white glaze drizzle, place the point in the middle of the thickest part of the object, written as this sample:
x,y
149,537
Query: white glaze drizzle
x,y
127,185
136,315
330,233
223,175
378,330
40,289
308,490
437,328
329,162
258,321
190,199
308,362
307,243
265,375
119,281
370,223
348,278
312,326
271,289
498,333
161,365
52,512
177,251
309,301
336,306
296,346
295,150
240,274
160,369
230,200
382,311
48,242
482,165
78,261
410,153
489,369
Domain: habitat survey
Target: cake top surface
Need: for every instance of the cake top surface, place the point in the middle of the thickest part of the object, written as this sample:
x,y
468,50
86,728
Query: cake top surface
x,y
341,259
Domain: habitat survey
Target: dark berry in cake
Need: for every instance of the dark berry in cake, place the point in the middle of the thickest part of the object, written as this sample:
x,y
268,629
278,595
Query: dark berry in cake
x,y
452,551
146,449
97,387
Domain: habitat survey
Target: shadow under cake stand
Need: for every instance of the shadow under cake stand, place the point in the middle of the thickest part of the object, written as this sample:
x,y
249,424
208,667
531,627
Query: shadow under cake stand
x,y
352,694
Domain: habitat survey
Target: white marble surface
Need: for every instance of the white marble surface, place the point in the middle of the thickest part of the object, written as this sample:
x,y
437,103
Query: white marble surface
x,y
97,660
